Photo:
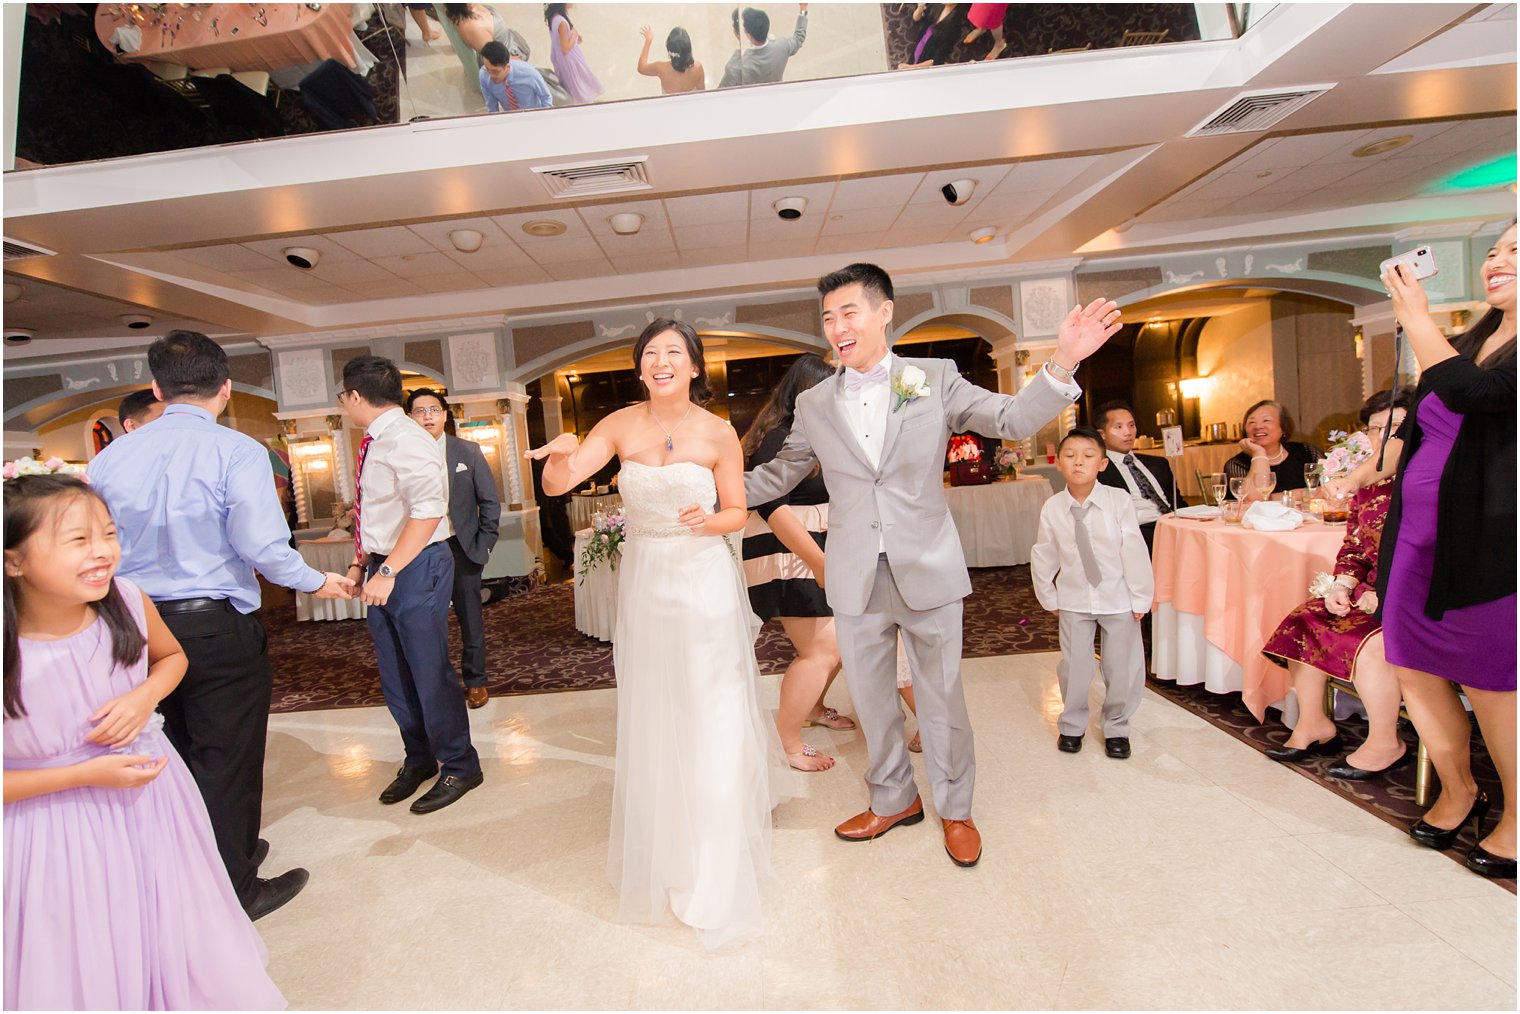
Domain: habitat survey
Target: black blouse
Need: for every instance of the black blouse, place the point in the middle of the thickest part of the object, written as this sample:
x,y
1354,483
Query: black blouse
x,y
809,491
1289,471
1475,509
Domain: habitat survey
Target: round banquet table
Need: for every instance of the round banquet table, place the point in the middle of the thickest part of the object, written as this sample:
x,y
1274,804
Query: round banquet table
x,y
595,595
998,522
584,506
328,555
1221,591
229,35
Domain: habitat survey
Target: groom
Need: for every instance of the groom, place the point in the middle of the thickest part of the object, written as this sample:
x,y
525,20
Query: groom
x,y
893,560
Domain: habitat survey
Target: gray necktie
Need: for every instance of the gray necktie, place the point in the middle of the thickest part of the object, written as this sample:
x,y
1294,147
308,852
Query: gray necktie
x,y
1144,484
1084,543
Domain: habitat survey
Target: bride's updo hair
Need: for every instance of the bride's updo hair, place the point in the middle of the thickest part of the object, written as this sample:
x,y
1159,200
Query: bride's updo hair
x,y
699,392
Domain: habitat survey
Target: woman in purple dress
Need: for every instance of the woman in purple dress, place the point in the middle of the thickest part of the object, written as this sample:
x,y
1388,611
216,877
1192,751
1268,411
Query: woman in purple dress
x,y
1339,636
566,55
115,895
1449,555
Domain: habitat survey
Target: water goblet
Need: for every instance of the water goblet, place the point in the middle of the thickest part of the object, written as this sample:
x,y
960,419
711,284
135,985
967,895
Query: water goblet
x,y
1237,486
1265,484
1219,490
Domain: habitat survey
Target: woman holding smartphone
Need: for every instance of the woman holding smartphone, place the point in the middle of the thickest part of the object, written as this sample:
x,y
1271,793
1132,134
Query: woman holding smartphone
x,y
1447,582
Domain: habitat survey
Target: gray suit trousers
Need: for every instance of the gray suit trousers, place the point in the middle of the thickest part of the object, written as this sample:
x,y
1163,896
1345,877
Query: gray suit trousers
x,y
1123,670
868,648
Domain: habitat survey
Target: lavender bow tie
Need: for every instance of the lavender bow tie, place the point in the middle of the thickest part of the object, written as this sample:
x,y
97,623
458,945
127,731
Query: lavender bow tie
x,y
854,380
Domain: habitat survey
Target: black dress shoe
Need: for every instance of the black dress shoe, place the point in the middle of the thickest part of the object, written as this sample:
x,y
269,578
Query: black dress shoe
x,y
447,790
1116,747
1351,773
1443,838
260,852
408,780
276,892
1069,744
1294,755
1485,864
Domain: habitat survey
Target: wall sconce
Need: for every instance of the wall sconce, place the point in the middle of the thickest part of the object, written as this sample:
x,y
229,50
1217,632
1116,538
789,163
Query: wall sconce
x,y
1194,387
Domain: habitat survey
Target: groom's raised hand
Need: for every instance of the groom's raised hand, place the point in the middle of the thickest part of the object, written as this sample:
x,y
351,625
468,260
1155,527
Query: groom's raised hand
x,y
1084,331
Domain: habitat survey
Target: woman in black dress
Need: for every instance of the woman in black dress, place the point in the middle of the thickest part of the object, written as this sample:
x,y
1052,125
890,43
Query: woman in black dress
x,y
1267,427
783,566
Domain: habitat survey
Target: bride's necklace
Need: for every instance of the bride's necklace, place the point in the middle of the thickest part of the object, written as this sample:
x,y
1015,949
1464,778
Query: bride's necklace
x,y
670,443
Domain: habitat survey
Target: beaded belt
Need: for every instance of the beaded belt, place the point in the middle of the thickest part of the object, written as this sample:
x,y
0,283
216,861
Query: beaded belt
x,y
646,532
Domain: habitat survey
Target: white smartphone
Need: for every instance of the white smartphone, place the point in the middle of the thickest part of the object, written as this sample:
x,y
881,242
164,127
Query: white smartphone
x,y
1421,259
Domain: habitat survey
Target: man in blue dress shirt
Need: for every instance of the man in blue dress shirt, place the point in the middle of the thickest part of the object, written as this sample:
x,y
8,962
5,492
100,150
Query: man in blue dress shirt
x,y
509,84
196,514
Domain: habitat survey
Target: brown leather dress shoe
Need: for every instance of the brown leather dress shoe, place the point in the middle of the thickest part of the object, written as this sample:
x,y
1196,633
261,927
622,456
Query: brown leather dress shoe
x,y
476,697
868,825
963,842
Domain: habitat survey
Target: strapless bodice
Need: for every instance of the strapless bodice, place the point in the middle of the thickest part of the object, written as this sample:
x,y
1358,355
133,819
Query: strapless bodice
x,y
653,496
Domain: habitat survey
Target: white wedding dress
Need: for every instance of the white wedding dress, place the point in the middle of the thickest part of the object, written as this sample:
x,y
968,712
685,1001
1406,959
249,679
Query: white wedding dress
x,y
699,764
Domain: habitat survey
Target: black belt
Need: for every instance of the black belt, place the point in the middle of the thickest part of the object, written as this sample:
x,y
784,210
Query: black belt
x,y
191,605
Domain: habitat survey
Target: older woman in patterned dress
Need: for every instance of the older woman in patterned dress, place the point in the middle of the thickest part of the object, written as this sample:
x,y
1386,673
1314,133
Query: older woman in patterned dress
x,y
1339,636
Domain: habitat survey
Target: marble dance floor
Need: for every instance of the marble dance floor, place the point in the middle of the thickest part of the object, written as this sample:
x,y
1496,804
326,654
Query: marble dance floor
x,y
1195,875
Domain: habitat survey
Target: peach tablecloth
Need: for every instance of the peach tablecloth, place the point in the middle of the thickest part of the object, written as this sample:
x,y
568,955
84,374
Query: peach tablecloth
x,y
227,35
1241,583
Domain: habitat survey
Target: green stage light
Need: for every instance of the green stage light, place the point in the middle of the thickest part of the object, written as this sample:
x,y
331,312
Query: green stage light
x,y
1498,173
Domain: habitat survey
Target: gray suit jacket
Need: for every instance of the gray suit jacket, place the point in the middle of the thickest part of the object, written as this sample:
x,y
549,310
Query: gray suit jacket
x,y
901,502
474,507
764,64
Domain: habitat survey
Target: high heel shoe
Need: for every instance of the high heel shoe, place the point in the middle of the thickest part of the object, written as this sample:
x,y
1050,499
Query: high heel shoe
x,y
1442,838
1485,864
1351,773
1293,754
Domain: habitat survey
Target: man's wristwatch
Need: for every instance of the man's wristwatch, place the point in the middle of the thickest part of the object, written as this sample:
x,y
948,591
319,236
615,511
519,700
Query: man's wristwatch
x,y
386,570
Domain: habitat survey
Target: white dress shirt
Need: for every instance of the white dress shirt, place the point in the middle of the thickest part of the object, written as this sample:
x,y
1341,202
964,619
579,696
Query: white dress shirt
x,y
1126,585
1145,511
865,411
405,476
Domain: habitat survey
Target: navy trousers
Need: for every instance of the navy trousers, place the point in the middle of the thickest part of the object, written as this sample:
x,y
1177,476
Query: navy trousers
x,y
411,635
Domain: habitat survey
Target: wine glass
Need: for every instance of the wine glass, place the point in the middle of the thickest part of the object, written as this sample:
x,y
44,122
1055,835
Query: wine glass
x,y
1266,483
1312,475
1219,491
1237,486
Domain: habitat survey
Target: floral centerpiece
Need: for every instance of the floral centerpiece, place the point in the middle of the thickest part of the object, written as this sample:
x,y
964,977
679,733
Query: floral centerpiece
x,y
1005,462
1346,452
52,466
605,543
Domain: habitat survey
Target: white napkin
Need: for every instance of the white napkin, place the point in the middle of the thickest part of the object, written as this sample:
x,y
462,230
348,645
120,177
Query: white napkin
x,y
1267,516
1198,512
127,38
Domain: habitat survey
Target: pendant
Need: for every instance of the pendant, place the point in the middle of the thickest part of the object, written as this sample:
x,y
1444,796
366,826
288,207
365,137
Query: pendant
x,y
669,444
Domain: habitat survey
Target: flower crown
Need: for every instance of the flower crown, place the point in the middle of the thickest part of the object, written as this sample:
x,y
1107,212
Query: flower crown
x,y
31,466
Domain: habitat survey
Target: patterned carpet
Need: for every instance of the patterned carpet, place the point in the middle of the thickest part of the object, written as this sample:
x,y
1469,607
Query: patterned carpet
x,y
532,645
1390,798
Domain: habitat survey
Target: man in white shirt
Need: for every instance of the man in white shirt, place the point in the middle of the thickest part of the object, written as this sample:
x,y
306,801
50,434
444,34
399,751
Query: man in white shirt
x,y
401,527
1090,567
1145,477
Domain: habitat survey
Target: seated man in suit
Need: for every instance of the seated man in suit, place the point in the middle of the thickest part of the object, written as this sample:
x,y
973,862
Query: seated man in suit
x,y
475,514
1147,478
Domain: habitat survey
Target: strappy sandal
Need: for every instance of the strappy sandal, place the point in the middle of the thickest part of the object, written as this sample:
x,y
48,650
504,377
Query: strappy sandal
x,y
830,719
808,751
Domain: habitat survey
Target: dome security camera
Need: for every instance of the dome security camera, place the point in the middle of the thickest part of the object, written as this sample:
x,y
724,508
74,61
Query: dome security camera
x,y
958,192
136,321
790,208
303,257
18,335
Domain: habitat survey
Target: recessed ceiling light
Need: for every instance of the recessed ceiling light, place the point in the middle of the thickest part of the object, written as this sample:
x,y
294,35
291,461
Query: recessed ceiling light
x,y
836,218
626,223
466,240
1387,144
983,235
544,227
1264,174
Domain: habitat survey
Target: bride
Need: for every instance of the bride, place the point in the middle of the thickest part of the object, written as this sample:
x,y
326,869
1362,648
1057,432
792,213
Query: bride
x,y
695,754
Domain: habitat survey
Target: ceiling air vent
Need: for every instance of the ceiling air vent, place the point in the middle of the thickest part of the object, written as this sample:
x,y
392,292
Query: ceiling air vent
x,y
1253,111
588,179
16,251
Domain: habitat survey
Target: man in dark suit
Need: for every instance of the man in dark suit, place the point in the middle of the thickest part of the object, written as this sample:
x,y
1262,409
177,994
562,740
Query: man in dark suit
x,y
475,512
1146,477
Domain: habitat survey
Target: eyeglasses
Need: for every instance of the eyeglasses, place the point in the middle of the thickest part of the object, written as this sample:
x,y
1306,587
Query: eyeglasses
x,y
345,391
427,413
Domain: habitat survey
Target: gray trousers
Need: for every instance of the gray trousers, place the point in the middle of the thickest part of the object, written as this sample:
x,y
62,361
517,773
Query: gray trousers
x,y
1123,670
868,648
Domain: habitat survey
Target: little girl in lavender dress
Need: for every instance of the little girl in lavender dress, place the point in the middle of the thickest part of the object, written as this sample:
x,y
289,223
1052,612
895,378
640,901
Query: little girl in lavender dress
x,y
566,55
115,895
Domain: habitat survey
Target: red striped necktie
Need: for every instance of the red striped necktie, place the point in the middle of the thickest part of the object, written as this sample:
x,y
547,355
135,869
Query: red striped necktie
x,y
359,493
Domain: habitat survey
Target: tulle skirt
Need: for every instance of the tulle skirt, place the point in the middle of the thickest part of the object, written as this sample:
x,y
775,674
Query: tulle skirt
x,y
699,765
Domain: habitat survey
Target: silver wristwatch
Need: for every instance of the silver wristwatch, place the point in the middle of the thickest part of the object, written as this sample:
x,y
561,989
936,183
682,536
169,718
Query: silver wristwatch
x,y
386,570
1060,372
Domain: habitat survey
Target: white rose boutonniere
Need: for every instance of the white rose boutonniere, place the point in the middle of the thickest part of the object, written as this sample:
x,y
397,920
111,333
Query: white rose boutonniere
x,y
910,384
